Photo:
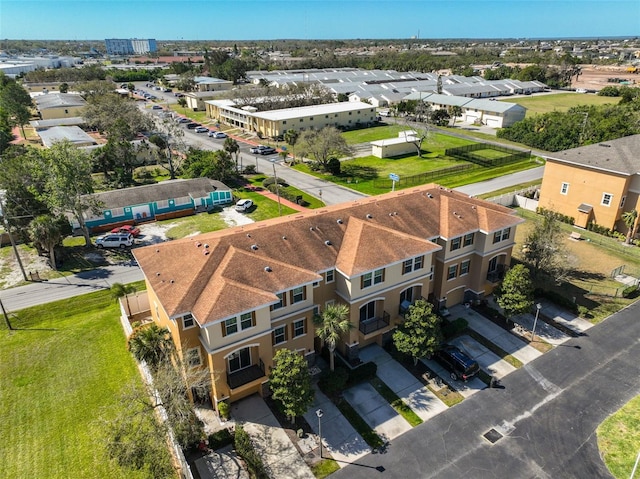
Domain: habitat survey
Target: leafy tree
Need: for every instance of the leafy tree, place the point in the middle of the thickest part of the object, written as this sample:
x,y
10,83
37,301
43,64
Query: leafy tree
x,y
152,344
291,137
420,334
544,248
440,117
6,135
231,146
331,324
630,219
455,111
119,290
47,232
68,185
15,103
115,116
216,165
64,87
515,294
323,144
290,383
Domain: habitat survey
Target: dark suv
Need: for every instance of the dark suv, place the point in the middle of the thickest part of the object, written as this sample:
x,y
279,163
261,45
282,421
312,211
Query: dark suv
x,y
457,363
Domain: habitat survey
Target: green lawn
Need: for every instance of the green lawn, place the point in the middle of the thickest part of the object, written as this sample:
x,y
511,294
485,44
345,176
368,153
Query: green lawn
x,y
264,208
619,439
374,133
198,116
536,105
313,202
60,374
395,402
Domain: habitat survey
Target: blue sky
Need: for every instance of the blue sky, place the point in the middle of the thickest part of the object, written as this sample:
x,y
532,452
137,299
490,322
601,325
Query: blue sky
x,y
315,19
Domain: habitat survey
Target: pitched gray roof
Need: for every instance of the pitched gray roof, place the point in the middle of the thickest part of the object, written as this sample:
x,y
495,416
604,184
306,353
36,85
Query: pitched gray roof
x,y
74,134
58,100
617,156
170,189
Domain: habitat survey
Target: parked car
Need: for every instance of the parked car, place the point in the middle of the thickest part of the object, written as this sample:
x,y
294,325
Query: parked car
x,y
262,150
193,126
183,120
156,107
217,134
201,129
130,229
178,94
244,205
120,240
457,363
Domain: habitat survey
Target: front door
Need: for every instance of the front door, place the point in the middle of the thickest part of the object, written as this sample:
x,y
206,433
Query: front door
x,y
239,360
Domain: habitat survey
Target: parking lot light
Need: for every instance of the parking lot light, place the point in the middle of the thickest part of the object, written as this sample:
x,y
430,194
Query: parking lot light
x,y
535,321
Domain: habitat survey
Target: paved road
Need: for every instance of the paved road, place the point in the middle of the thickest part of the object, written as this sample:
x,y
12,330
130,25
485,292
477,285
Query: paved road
x,y
69,286
547,414
502,182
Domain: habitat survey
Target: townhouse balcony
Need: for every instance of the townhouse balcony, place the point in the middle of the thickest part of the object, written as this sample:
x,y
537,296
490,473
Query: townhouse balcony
x,y
374,324
246,375
495,276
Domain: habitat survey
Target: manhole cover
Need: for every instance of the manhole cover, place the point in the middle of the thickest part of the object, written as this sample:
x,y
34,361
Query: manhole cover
x,y
492,436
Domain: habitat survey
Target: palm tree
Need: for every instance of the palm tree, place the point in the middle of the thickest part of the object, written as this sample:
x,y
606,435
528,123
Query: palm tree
x,y
630,219
119,290
46,231
150,343
231,146
333,321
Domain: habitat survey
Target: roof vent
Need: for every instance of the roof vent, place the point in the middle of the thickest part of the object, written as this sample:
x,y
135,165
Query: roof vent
x,y
206,252
328,243
429,195
395,213
284,237
248,235
339,221
268,269
157,274
254,247
369,216
206,245
157,250
172,281
311,228
198,244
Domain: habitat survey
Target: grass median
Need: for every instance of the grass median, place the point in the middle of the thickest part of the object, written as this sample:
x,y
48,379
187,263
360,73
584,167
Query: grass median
x,y
396,402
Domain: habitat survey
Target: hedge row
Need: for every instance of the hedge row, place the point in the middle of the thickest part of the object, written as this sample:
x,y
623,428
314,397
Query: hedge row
x,y
245,449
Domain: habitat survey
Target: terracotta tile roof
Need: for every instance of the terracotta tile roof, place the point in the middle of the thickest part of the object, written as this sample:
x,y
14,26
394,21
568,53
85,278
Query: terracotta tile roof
x,y
367,246
231,278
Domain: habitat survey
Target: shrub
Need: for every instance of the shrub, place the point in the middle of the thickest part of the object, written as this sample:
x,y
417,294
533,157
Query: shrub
x,y
333,166
220,439
332,382
557,298
451,329
271,180
630,291
249,169
559,216
583,311
224,409
245,449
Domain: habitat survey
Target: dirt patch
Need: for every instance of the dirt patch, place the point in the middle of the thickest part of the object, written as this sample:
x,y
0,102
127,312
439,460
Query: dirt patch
x,y
595,77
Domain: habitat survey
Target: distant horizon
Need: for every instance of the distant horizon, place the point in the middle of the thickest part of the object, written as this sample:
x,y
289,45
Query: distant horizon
x,y
262,20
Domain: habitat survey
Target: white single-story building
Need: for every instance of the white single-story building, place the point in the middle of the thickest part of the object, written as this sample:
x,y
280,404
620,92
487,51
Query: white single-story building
x,y
74,134
390,147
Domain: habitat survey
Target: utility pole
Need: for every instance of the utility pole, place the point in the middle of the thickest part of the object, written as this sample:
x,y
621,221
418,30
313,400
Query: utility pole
x,y
6,226
6,317
277,187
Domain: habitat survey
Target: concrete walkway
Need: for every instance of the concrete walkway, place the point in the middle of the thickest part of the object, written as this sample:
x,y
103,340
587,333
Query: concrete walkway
x,y
376,411
497,335
279,455
566,318
422,401
221,464
488,361
338,436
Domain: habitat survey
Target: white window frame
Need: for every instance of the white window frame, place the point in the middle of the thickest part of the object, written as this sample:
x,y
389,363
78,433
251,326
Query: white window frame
x,y
564,188
283,334
293,295
465,266
243,319
456,243
330,276
227,323
367,280
295,328
189,360
378,276
281,304
607,199
468,239
188,317
452,269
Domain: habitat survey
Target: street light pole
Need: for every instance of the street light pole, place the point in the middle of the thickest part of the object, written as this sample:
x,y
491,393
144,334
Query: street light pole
x,y
535,321
320,413
273,163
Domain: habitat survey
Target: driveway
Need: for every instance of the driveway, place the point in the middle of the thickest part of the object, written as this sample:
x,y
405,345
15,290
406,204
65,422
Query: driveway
x,y
544,418
488,361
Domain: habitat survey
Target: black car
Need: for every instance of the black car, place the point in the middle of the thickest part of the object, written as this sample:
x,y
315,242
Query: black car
x,y
457,363
193,126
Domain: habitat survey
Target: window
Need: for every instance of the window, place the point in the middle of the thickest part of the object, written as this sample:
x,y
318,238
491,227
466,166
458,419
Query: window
x,y
606,199
453,272
406,295
455,243
407,266
281,304
316,310
246,320
464,267
188,321
297,295
493,265
413,264
564,189
468,239
193,357
280,335
239,360
298,328
501,235
230,326
418,263
311,118
284,122
365,281
330,276
368,311
316,284
378,276
622,201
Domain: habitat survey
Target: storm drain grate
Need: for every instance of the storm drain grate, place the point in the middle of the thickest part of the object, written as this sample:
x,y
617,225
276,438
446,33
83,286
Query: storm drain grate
x,y
492,436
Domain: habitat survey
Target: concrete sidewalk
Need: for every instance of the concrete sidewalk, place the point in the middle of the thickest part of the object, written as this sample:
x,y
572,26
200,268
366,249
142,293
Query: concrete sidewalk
x,y
497,335
566,318
279,455
422,401
338,436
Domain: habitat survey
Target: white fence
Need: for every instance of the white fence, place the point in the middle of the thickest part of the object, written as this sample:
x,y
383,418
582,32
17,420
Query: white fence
x,y
517,198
